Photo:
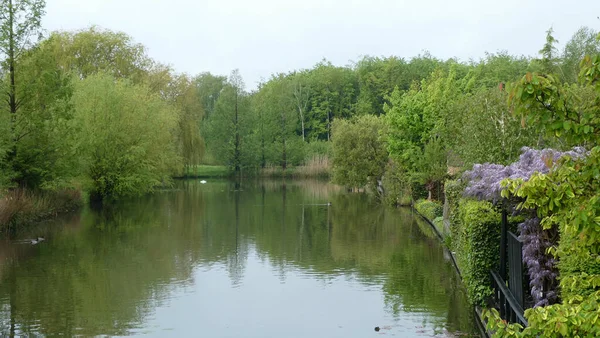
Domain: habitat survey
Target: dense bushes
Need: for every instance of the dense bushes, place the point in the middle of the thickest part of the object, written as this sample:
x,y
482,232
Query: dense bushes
x,y
478,247
359,151
20,206
396,187
129,157
453,190
430,209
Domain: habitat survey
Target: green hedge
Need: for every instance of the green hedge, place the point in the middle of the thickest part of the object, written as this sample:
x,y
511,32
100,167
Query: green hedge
x,y
453,191
430,209
477,247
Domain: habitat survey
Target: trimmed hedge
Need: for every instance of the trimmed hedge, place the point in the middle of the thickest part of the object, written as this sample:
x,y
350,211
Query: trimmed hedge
x,y
453,190
430,209
477,247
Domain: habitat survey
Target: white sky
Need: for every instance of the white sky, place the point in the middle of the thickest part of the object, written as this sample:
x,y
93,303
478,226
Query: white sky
x,y
261,37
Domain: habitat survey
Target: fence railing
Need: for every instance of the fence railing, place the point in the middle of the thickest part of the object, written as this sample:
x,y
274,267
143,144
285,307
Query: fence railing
x,y
509,296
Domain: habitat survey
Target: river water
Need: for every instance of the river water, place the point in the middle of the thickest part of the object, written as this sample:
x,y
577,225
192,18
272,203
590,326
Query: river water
x,y
225,259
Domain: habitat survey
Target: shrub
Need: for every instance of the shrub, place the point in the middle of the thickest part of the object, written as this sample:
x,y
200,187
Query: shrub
x,y
478,247
359,151
430,209
396,185
19,207
453,190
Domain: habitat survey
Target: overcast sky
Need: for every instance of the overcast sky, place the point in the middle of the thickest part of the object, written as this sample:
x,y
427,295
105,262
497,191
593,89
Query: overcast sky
x,y
261,37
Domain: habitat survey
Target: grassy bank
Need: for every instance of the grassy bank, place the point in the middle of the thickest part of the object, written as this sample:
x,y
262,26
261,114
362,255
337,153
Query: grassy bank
x,y
20,207
316,167
205,171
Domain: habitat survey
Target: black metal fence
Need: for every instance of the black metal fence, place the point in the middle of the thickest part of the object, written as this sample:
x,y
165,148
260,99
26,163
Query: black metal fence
x,y
509,296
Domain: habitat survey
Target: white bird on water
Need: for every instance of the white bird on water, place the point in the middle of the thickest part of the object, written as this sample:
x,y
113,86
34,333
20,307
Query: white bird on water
x,y
203,182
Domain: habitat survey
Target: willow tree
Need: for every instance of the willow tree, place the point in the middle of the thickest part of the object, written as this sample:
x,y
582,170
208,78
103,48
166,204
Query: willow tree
x,y
92,50
190,112
125,137
20,23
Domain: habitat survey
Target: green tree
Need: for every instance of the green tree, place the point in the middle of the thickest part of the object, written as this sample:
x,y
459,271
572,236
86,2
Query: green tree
x,y
230,129
549,61
20,20
485,116
582,43
359,151
209,88
277,103
125,137
184,96
89,51
432,166
333,95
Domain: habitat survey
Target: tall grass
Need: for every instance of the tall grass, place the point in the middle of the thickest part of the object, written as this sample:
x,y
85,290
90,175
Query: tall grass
x,y
318,166
20,206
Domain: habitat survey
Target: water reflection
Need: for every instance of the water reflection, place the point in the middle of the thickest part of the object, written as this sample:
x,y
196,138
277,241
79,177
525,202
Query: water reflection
x,y
296,258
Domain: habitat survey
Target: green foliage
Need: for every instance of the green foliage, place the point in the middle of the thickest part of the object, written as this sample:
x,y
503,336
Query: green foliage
x,y
89,51
229,130
203,171
453,191
566,197
359,151
430,209
477,247
396,186
484,116
317,148
582,43
275,111
333,95
124,135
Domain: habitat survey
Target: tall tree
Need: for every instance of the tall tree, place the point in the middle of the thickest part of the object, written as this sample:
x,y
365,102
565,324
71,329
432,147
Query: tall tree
x,y
333,95
582,43
301,97
20,21
209,88
276,106
89,51
229,128
548,62
186,101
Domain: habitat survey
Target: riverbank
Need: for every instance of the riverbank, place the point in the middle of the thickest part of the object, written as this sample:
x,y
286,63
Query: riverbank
x,y
426,209
311,170
21,207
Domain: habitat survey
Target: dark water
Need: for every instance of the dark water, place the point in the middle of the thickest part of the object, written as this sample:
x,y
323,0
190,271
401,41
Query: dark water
x,y
219,260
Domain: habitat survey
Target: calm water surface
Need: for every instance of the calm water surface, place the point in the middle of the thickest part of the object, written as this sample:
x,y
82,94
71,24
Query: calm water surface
x,y
256,259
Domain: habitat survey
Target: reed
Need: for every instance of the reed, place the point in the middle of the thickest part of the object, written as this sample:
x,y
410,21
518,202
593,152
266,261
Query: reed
x,y
19,207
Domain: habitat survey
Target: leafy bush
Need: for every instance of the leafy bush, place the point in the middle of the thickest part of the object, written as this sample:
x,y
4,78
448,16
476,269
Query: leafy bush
x,y
438,222
396,185
132,156
453,190
430,209
478,247
359,151
317,149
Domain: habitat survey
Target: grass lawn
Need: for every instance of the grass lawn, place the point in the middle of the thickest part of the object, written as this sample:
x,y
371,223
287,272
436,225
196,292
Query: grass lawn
x,y
208,171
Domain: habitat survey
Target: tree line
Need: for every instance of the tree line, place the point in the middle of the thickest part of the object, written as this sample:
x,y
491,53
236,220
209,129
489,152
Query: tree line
x,y
91,109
